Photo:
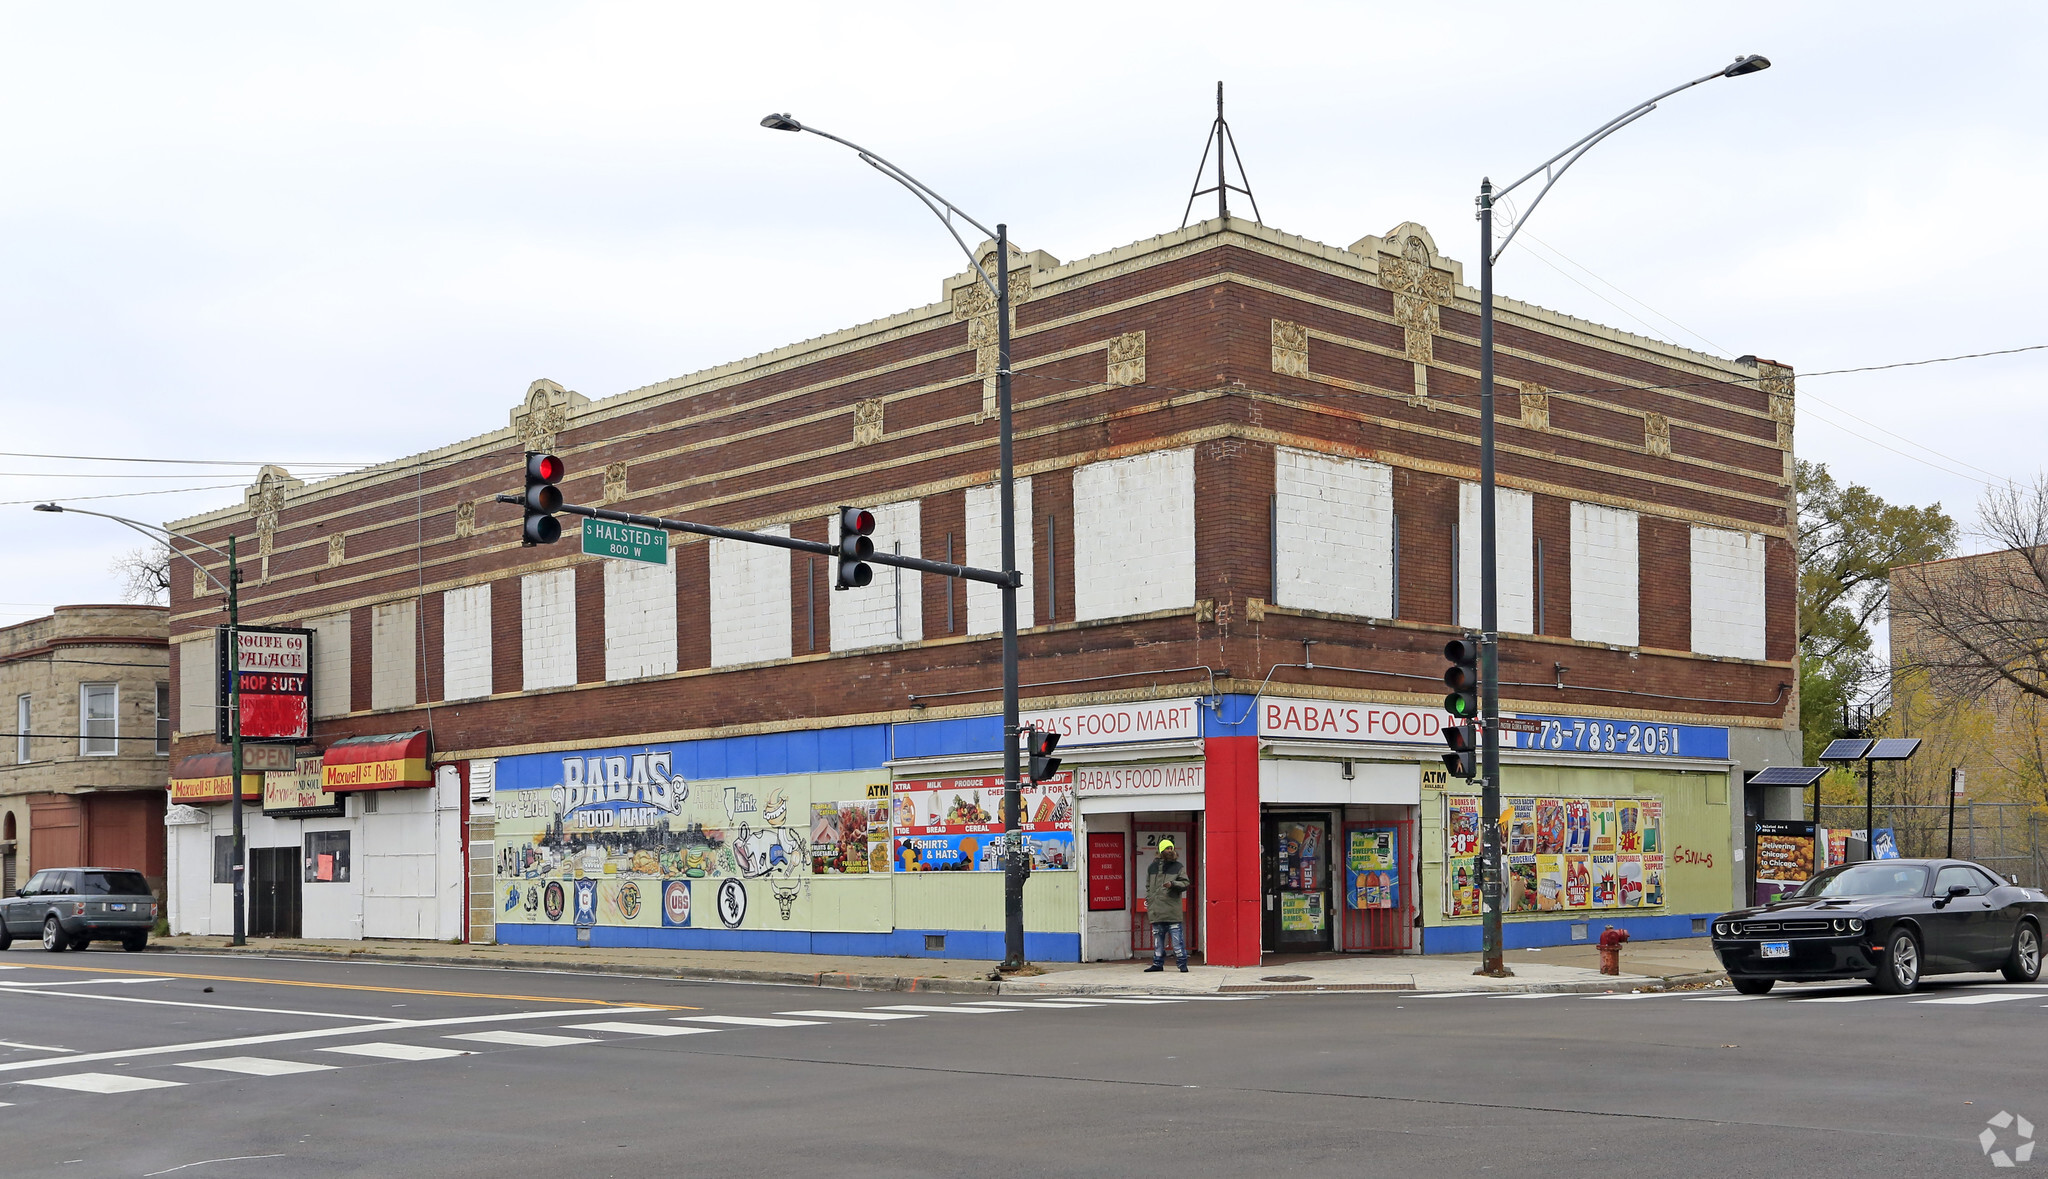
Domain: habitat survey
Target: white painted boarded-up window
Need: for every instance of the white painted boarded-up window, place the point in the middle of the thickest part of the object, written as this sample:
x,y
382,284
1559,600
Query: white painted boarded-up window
x,y
1334,533
332,638
1515,534
394,655
750,608
197,682
1134,535
639,619
891,608
1727,592
1606,566
466,642
547,629
985,551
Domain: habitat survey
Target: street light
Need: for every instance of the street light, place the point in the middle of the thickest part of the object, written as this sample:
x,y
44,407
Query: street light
x,y
1489,602
1014,867
152,531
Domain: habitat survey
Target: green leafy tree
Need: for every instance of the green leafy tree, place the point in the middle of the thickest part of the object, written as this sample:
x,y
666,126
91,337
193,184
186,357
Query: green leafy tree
x,y
1850,539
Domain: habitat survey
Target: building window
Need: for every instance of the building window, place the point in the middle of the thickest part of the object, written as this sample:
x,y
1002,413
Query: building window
x,y
98,730
326,857
163,720
223,859
21,729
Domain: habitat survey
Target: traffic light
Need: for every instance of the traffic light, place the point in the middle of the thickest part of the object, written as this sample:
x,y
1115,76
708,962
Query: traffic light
x,y
856,545
542,498
1462,678
1038,745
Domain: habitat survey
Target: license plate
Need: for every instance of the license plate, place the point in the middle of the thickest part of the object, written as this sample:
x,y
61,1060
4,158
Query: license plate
x,y
1777,949
118,908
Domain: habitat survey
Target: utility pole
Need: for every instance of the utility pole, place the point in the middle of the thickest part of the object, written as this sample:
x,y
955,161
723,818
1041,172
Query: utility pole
x,y
234,665
1491,960
1016,868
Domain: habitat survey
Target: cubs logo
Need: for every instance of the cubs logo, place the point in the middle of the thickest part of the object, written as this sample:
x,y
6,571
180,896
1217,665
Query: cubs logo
x,y
675,903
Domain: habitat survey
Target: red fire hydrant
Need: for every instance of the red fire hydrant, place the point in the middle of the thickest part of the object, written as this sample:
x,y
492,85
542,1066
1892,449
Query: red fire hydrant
x,y
1610,949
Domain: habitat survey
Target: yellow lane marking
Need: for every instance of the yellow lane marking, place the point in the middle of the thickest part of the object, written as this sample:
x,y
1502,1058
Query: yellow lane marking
x,y
286,982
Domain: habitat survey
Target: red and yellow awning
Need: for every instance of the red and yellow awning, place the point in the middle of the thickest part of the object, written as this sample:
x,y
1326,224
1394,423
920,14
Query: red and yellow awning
x,y
208,777
394,761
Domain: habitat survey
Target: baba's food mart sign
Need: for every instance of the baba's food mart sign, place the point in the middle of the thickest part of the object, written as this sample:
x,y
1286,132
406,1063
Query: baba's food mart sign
x,y
1123,781
1100,724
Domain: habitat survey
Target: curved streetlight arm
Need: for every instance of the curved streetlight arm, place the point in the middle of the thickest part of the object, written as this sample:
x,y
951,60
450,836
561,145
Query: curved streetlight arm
x,y
941,208
1553,171
146,531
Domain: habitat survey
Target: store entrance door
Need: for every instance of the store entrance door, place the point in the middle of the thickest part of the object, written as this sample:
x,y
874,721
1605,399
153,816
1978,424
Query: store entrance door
x,y
273,892
1298,908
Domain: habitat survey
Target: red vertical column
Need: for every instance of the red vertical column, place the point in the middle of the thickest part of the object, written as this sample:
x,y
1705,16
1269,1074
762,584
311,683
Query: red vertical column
x,y
1230,855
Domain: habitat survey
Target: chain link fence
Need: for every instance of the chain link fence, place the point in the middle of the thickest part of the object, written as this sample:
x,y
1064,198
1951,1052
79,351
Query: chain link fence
x,y
2006,837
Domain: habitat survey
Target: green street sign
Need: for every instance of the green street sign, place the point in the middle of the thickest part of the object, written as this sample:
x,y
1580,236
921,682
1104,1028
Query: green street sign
x,y
627,542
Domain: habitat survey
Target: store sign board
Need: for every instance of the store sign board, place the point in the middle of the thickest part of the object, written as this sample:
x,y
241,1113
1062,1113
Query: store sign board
x,y
1341,720
1585,734
1108,882
1128,781
1336,720
1100,724
273,669
296,793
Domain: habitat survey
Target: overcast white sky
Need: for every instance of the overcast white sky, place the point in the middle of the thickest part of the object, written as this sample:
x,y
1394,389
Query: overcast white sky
x,y
347,233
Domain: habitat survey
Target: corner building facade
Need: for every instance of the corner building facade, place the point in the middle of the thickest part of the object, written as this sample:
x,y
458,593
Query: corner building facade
x,y
1247,517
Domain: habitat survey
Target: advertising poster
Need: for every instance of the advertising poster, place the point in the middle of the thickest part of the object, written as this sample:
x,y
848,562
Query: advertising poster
x,y
956,824
1578,825
1885,846
1628,826
1301,856
1836,840
1784,857
1522,885
1461,886
1578,881
1653,881
1549,884
1652,820
849,838
1108,882
1605,820
1519,821
1373,869
1603,881
1301,912
1550,824
1461,826
1628,880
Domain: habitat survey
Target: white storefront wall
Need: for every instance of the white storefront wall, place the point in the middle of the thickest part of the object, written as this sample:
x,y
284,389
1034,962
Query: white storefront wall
x,y
405,871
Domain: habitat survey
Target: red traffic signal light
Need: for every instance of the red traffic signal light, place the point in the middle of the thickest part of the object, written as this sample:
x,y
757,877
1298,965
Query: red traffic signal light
x,y
1039,744
856,545
1463,759
542,498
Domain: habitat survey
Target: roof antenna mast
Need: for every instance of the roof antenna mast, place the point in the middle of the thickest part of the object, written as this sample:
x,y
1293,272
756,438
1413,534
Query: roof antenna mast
x,y
1220,138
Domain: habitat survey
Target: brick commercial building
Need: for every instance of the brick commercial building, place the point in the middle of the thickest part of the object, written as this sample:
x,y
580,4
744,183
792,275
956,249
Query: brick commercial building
x,y
89,693
1247,520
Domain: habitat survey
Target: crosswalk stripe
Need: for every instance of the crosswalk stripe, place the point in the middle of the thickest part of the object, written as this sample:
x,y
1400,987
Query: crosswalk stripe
x,y
101,1083
385,1051
1970,1000
512,1039
641,1029
749,1021
257,1066
1041,1005
923,1009
868,1014
1839,998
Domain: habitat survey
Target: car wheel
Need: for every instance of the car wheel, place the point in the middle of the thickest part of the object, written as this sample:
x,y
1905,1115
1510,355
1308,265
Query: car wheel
x,y
6,938
1754,986
135,942
54,938
2024,966
1900,973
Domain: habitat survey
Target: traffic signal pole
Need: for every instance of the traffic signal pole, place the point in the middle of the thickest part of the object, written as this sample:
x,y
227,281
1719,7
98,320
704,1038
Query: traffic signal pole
x,y
234,660
1490,949
1016,868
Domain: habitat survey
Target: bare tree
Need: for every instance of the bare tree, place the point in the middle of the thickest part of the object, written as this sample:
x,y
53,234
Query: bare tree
x,y
1978,626
145,575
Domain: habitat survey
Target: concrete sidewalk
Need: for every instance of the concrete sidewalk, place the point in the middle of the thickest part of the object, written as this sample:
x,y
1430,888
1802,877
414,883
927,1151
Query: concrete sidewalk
x,y
1679,962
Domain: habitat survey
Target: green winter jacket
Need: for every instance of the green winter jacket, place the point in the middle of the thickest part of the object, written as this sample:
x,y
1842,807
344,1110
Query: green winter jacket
x,y
1166,883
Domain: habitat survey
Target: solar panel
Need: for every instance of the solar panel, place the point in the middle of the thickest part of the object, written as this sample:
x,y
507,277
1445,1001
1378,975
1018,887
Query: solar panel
x,y
1788,776
1846,749
1894,749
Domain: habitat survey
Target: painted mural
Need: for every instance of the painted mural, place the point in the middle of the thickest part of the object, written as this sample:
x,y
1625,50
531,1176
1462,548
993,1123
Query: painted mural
x,y
619,838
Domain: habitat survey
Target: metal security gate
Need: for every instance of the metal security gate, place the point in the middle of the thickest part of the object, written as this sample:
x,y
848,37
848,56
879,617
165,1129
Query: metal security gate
x,y
1389,930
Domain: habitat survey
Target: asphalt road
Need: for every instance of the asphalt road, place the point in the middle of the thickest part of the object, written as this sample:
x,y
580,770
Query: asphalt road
x,y
210,1067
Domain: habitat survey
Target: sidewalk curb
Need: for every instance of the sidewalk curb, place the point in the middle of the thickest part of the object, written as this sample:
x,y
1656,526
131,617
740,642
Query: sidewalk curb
x,y
832,979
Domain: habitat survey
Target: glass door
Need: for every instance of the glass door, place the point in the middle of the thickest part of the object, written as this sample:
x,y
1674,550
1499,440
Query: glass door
x,y
1299,913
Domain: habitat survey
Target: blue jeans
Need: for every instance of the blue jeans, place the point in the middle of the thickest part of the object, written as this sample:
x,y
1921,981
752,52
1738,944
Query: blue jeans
x,y
1160,930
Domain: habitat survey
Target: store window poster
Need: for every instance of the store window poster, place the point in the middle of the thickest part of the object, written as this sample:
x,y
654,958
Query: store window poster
x,y
1578,825
1628,878
1550,827
1653,881
1605,821
1461,826
1578,881
1652,821
1373,876
1549,883
1604,894
1522,884
1461,885
1520,824
1302,912
1628,826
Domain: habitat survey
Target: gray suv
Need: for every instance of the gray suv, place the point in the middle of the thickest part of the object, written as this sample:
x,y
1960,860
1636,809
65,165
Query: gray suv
x,y
73,907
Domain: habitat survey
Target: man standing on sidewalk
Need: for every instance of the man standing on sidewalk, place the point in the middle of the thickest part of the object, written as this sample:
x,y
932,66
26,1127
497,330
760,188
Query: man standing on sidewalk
x,y
1166,882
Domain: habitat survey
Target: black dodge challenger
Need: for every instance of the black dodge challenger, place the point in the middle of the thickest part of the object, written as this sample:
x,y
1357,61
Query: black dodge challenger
x,y
1890,921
